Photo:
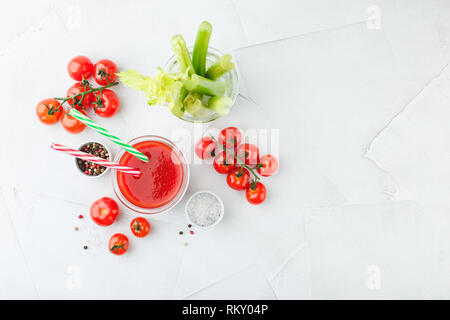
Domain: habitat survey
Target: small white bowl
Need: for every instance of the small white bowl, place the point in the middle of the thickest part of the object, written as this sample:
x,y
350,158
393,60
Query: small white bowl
x,y
81,149
221,211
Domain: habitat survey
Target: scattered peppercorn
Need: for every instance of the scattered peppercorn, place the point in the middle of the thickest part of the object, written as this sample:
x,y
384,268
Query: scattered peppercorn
x,y
192,232
189,225
85,247
186,244
80,216
89,168
181,232
76,228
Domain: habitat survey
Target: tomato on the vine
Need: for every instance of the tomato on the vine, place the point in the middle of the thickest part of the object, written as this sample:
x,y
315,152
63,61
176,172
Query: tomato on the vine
x,y
256,193
77,88
79,68
224,162
268,165
205,148
140,227
248,153
105,70
118,244
104,211
238,178
49,111
230,138
71,124
110,103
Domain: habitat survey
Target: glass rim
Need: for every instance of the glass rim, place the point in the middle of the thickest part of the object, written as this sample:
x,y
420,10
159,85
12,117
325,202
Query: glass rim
x,y
172,203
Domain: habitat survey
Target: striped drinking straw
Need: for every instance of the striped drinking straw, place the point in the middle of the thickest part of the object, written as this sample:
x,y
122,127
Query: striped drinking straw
x,y
81,117
89,157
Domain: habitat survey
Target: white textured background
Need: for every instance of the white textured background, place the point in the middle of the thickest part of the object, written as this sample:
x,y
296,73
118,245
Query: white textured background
x,y
359,92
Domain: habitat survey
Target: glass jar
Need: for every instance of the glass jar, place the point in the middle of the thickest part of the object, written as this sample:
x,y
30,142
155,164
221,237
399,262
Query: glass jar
x,y
230,78
120,189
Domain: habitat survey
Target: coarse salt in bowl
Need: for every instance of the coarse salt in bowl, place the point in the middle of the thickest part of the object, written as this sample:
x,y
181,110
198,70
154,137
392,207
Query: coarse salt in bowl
x,y
204,209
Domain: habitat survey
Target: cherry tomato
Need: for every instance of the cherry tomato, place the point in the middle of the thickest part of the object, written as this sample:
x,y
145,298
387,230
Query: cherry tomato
x,y
118,244
248,153
108,69
104,211
140,227
256,193
49,111
238,179
110,104
269,165
230,138
71,124
224,163
80,68
79,88
205,148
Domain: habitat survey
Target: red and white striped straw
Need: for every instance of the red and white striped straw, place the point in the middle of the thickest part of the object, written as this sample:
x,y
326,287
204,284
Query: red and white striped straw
x,y
89,157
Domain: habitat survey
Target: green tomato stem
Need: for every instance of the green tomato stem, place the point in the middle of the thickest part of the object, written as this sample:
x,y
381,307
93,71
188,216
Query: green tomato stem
x,y
238,161
83,94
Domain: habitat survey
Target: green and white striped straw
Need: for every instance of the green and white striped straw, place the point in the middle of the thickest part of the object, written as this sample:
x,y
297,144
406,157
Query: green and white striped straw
x,y
81,117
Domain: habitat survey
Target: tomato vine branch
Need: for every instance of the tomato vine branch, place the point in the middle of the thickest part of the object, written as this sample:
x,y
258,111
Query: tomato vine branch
x,y
239,162
86,84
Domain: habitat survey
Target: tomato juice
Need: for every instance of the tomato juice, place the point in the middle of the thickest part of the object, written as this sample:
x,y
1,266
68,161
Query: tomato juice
x,y
161,177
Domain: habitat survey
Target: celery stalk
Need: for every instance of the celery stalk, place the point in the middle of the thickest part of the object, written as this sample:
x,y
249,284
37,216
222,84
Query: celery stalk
x,y
194,105
176,106
182,54
193,102
203,85
222,66
201,47
220,105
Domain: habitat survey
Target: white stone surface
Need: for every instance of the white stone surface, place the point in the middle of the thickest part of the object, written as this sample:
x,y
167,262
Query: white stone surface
x,y
358,93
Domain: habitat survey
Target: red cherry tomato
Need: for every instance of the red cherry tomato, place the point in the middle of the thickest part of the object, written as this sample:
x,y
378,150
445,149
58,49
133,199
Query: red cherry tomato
x,y
269,165
230,138
80,68
110,104
224,163
238,179
118,244
140,227
248,153
256,194
104,211
108,69
205,148
49,111
80,88
71,124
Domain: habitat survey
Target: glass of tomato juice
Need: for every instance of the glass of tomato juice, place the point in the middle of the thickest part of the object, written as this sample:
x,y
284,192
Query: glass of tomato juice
x,y
163,180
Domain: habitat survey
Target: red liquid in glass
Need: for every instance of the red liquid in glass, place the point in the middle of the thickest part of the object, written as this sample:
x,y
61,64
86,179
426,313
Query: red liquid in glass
x,y
161,177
